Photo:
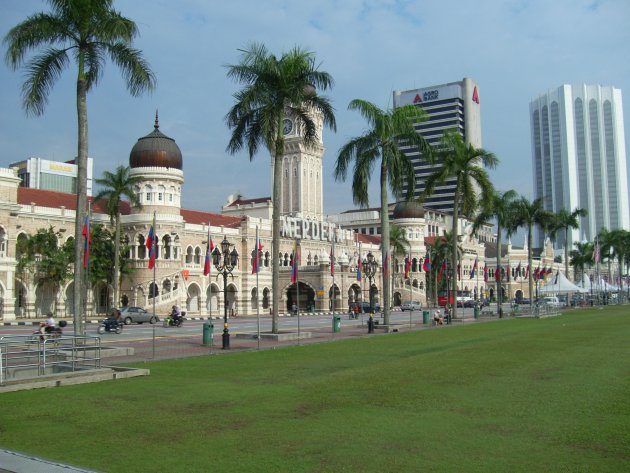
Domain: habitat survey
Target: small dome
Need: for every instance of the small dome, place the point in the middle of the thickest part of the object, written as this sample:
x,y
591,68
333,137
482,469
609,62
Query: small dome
x,y
155,150
411,209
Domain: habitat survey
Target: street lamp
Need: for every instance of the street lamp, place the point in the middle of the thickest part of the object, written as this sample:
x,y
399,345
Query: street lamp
x,y
225,261
370,266
449,277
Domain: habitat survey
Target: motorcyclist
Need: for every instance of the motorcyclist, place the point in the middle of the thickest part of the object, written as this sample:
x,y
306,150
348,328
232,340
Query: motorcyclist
x,y
176,314
113,320
50,323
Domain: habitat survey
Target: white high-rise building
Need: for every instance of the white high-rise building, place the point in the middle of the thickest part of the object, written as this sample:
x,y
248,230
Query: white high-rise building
x,y
579,157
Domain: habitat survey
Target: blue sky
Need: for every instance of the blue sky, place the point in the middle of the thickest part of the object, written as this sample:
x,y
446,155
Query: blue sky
x,y
515,50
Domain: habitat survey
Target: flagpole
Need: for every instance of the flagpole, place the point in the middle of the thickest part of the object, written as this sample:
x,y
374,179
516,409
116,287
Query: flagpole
x,y
154,286
87,267
257,295
410,280
297,287
332,273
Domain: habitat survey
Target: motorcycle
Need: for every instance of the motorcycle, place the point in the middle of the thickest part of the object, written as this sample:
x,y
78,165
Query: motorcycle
x,y
45,332
109,325
169,321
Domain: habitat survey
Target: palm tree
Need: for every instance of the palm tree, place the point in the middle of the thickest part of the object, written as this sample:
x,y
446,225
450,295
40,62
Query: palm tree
x,y
498,207
581,256
466,166
400,246
563,221
382,141
528,214
273,88
86,31
117,185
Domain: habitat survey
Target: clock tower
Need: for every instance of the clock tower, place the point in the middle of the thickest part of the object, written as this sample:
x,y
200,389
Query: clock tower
x,y
301,188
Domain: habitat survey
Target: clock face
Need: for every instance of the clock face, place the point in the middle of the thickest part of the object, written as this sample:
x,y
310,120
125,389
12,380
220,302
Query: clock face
x,y
287,126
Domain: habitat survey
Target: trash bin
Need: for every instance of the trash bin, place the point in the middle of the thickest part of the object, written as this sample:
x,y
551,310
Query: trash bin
x,y
208,332
425,317
336,323
476,312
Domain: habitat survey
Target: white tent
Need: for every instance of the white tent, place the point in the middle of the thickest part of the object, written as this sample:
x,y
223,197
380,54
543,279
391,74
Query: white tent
x,y
608,287
560,283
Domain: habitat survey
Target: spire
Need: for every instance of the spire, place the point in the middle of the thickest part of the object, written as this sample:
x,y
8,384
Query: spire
x,y
157,124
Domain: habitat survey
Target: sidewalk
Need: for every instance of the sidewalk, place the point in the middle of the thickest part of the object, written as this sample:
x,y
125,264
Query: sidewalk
x,y
13,462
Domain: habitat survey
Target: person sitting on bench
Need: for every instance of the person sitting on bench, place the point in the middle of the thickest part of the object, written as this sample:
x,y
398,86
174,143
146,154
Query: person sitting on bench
x,y
437,318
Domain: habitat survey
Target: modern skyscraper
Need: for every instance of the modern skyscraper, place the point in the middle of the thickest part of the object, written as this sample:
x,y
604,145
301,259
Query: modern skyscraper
x,y
452,106
39,173
579,157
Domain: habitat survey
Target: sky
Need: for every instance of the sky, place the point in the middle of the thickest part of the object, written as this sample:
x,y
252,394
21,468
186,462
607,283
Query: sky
x,y
514,50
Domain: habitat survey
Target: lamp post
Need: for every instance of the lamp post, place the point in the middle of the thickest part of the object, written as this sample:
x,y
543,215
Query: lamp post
x,y
225,261
449,277
370,266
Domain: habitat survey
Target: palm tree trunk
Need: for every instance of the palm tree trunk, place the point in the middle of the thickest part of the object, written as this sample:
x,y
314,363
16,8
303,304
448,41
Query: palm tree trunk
x,y
385,241
80,295
529,263
566,253
454,249
499,283
275,230
116,260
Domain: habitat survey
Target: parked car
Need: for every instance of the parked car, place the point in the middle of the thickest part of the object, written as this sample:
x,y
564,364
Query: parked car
x,y
410,305
137,315
463,300
550,301
522,301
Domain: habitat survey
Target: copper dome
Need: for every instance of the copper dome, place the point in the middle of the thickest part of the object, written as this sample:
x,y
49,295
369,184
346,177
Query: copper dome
x,y
155,150
411,209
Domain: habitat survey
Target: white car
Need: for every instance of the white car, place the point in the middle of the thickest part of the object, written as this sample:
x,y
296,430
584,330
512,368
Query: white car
x,y
410,305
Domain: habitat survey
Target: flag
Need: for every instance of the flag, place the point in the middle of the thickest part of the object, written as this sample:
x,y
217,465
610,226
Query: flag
x,y
508,271
527,271
536,272
518,270
596,253
474,268
332,259
407,266
294,268
555,281
385,265
485,274
426,266
459,271
209,248
497,274
87,235
258,254
359,266
152,244
442,269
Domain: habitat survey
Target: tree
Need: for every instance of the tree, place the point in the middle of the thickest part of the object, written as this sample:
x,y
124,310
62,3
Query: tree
x,y
400,245
529,214
581,257
272,88
117,185
86,31
382,141
563,221
466,165
41,256
497,207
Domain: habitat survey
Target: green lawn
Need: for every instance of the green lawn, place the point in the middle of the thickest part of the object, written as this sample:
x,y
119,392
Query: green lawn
x,y
527,395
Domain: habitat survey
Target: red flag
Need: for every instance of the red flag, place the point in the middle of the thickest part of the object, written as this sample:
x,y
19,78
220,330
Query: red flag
x,y
257,254
442,269
497,274
536,272
407,266
426,266
152,244
87,234
386,266
294,268
206,263
485,274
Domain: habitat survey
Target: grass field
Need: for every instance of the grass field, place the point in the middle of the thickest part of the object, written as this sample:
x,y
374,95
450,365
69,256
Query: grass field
x,y
526,395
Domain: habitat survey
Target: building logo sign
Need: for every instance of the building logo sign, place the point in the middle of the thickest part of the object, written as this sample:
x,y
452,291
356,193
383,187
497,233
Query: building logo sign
x,y
310,230
475,96
427,96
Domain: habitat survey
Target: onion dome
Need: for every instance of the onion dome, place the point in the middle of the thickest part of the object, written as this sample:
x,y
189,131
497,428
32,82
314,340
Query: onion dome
x,y
411,209
155,150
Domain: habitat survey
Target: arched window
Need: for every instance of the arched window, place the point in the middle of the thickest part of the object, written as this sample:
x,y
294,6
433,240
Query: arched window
x,y
148,193
197,255
189,255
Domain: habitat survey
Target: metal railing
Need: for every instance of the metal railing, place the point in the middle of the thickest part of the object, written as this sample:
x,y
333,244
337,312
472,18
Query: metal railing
x,y
32,356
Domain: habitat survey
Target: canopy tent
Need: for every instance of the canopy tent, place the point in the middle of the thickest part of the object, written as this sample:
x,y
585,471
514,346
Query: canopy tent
x,y
608,287
602,286
560,283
